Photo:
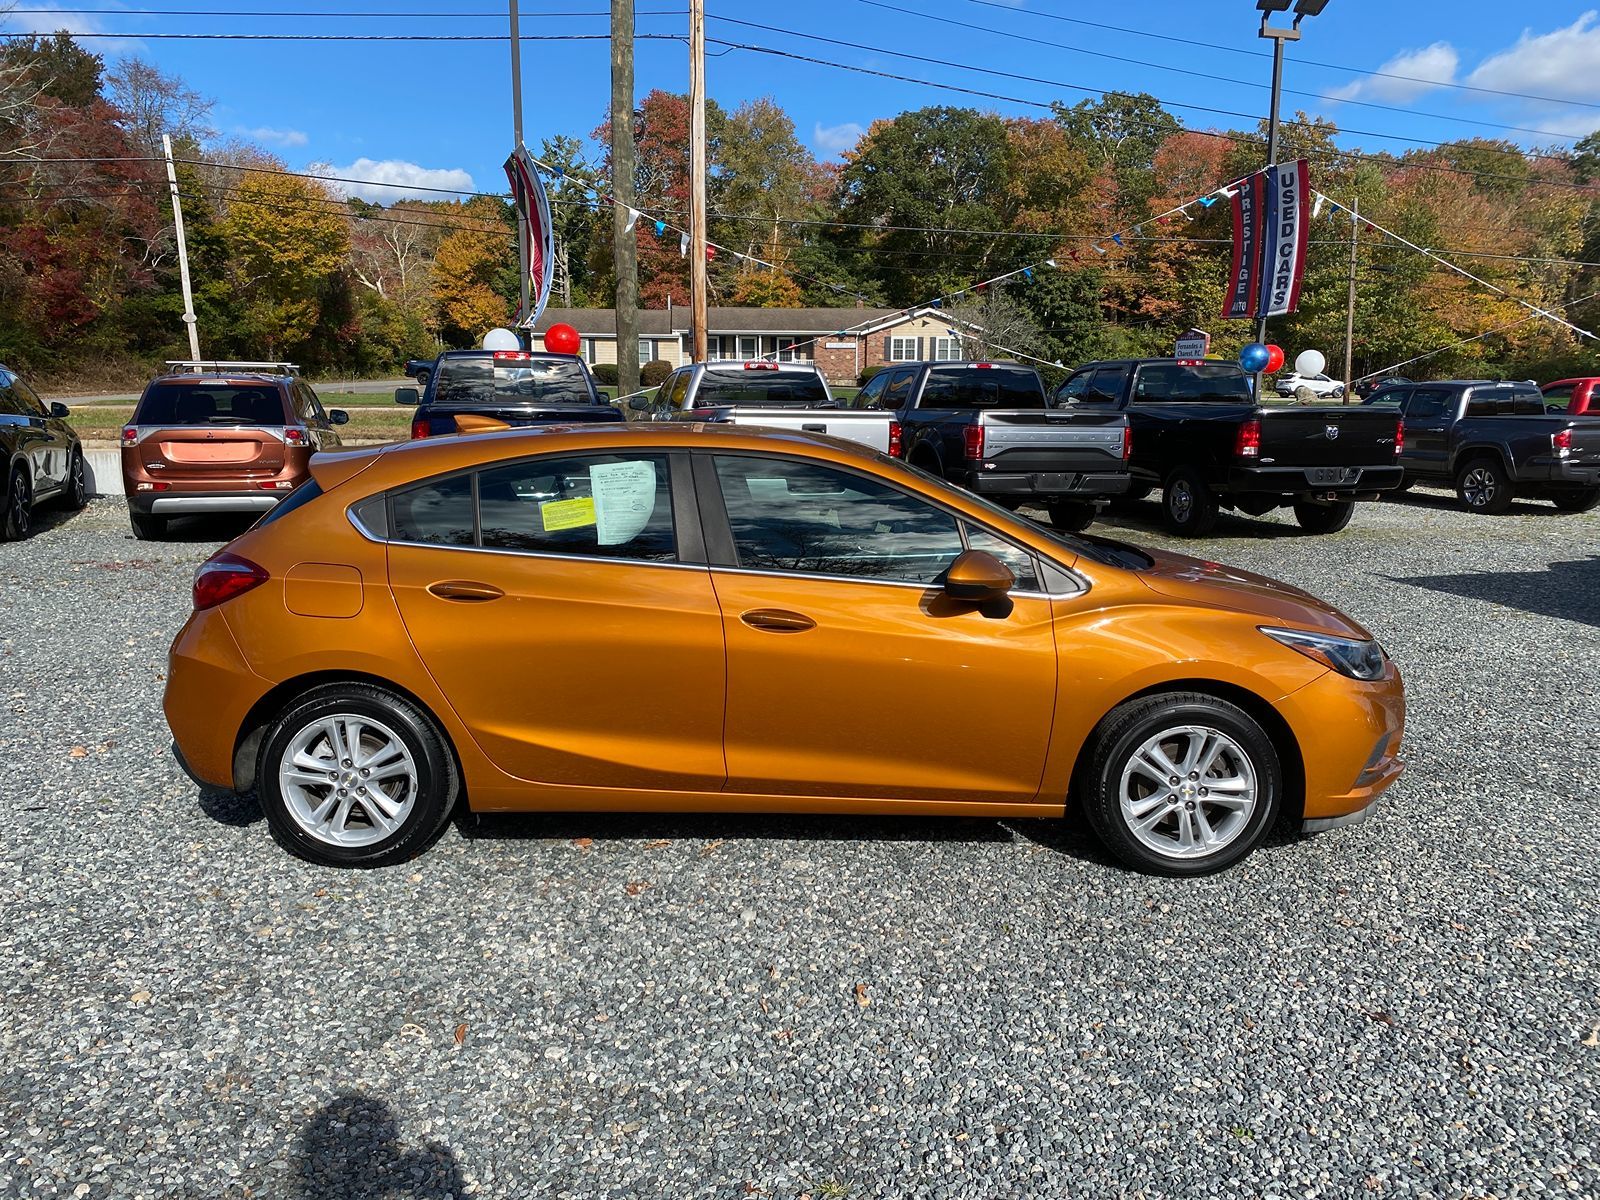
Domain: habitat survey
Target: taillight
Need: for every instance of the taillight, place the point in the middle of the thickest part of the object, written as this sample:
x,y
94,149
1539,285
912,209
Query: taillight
x,y
1561,442
224,576
1127,444
761,366
972,438
130,435
1248,442
1399,436
512,356
896,445
419,427
293,436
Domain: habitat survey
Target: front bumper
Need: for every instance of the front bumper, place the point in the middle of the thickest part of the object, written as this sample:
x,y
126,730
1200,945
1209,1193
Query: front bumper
x,y
1349,732
1087,484
1302,482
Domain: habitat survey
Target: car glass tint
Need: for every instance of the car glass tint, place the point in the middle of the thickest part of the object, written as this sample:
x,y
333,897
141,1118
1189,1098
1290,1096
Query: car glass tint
x,y
437,513
1386,398
10,404
483,382
1073,389
1427,403
209,404
1105,385
982,387
1207,382
1018,559
29,399
898,390
769,389
872,392
608,506
795,516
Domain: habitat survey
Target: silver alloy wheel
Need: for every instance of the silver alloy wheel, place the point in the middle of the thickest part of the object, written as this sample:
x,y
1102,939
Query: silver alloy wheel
x,y
1478,486
1188,792
1181,498
348,780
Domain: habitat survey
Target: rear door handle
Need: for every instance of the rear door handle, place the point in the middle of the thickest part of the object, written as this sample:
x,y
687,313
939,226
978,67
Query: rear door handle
x,y
777,620
464,589
813,428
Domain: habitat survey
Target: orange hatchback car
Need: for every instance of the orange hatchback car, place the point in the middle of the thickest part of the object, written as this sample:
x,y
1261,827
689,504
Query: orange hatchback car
x,y
707,618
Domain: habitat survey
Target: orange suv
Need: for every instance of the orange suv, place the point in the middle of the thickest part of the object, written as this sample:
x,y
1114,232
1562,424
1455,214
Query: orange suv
x,y
219,437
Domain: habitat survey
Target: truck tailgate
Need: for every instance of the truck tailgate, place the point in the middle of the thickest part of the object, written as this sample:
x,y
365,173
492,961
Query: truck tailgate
x,y
1052,439
1327,437
868,427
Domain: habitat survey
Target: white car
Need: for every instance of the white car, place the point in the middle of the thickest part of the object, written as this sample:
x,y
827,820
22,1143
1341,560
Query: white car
x,y
1320,384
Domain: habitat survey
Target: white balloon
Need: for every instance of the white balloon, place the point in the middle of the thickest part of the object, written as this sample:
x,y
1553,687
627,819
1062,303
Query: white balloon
x,y
1310,362
501,339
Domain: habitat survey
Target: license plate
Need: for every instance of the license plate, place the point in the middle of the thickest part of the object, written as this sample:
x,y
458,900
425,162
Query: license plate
x,y
1052,481
1326,475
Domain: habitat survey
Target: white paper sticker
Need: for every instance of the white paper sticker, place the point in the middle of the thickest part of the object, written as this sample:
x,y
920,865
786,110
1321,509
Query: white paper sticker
x,y
624,500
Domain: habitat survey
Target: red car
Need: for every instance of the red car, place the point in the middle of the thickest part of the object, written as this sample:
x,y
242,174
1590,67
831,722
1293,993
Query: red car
x,y
1573,396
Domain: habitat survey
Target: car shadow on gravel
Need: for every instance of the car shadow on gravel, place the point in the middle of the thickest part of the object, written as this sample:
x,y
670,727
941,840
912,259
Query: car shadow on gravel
x,y
352,1150
230,808
1568,590
1447,501
1145,517
646,826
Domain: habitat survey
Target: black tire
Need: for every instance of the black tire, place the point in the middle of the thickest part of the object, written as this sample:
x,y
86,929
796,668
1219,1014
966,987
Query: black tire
x,y
1117,742
1324,518
17,519
76,497
1576,501
1070,516
1188,503
426,801
1483,486
148,527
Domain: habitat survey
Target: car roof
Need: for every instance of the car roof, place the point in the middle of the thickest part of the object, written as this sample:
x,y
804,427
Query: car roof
x,y
224,377
750,364
1576,379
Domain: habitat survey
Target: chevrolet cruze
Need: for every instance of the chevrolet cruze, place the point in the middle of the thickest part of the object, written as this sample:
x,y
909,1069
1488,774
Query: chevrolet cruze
x,y
707,618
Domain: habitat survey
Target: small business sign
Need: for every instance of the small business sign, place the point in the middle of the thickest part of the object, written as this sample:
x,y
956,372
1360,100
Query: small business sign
x,y
1192,347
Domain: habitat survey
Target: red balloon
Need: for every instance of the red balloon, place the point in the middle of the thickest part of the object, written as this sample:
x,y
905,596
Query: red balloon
x,y
1274,358
563,339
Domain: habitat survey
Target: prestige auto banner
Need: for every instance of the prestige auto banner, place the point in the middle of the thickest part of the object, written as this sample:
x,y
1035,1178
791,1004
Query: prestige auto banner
x,y
1285,232
1245,276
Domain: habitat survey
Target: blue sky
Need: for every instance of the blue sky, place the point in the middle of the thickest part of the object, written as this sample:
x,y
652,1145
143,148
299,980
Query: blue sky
x,y
440,112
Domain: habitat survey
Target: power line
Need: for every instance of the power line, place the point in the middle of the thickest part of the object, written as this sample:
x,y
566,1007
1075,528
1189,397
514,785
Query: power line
x,y
347,37
279,12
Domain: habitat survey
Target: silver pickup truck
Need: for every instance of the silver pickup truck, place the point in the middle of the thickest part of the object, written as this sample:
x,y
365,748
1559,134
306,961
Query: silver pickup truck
x,y
777,395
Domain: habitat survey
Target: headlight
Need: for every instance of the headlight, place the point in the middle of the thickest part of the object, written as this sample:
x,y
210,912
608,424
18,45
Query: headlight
x,y
1348,656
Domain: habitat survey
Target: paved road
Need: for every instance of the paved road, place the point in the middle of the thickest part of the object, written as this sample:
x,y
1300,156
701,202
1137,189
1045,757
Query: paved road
x,y
659,1006
358,386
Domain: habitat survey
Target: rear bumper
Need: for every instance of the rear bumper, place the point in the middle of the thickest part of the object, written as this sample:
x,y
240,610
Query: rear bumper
x,y
1295,481
1048,483
210,689
1575,475
167,504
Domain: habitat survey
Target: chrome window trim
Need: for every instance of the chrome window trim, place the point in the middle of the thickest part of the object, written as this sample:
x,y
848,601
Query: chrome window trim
x,y
898,583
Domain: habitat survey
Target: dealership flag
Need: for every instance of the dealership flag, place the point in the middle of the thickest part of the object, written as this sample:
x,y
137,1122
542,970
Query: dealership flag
x,y
1284,235
537,238
1245,277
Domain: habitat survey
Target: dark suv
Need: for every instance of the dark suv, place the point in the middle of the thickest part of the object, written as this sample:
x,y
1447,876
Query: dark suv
x,y
42,456
220,437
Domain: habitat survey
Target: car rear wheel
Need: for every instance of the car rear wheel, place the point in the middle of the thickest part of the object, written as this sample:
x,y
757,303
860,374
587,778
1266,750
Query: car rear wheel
x,y
352,775
1324,518
1188,504
1483,486
18,516
1581,500
1071,516
77,494
147,527
1181,784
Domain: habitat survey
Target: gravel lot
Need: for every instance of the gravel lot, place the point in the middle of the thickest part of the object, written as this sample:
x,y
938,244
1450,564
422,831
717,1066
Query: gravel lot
x,y
673,1007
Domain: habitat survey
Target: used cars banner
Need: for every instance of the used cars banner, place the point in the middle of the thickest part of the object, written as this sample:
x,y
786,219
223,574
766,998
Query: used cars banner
x,y
1284,236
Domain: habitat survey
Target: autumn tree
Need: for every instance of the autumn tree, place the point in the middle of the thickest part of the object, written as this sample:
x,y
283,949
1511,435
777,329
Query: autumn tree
x,y
154,103
467,268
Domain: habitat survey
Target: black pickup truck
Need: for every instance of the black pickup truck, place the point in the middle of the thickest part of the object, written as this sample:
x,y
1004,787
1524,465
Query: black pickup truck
x,y
504,387
986,427
1495,441
1199,435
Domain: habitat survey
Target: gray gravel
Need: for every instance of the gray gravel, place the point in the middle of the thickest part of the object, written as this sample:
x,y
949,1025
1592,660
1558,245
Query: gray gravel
x,y
660,1006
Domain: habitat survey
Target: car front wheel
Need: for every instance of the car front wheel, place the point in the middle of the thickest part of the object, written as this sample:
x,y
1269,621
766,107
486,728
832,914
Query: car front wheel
x,y
352,775
1181,784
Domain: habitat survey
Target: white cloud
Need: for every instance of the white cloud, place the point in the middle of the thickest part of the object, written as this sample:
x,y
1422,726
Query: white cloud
x,y
1564,63
836,139
47,19
385,180
1424,69
274,137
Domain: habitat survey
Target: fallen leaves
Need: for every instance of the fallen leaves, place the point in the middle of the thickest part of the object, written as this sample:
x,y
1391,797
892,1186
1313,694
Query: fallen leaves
x,y
140,997
710,848
658,843
1593,1040
636,886
78,752
1380,1017
461,1033
583,843
862,999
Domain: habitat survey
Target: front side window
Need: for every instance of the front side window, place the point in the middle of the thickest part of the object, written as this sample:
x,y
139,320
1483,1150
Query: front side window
x,y
871,393
1393,397
1074,389
1427,403
1015,557
810,519
31,404
608,506
902,349
1105,385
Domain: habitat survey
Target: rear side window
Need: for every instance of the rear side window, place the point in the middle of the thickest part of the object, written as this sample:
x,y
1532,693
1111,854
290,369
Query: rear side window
x,y
439,513
769,389
210,404
488,380
982,387
1505,403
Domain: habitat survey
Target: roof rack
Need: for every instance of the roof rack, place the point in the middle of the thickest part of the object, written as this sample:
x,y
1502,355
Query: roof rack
x,y
197,366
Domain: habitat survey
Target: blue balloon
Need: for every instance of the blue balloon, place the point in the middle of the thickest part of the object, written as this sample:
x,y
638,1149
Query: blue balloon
x,y
1254,357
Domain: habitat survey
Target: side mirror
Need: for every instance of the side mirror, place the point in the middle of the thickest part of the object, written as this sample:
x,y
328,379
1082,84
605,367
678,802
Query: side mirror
x,y
407,395
639,403
978,577
60,411
338,416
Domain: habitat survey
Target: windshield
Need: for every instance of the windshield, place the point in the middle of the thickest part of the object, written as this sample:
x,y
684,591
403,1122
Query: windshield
x,y
982,387
769,389
210,404
484,382
1208,381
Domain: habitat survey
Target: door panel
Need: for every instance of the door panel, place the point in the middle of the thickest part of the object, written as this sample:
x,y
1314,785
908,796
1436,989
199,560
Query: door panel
x,y
878,690
591,673
1427,421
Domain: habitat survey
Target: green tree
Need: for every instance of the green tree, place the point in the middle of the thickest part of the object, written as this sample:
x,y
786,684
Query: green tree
x,y
56,67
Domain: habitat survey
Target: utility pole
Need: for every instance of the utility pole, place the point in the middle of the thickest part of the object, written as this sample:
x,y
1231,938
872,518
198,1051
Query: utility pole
x,y
516,133
697,176
189,320
624,242
1350,301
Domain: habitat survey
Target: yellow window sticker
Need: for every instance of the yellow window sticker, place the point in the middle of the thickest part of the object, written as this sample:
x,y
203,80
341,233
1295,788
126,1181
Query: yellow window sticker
x,y
566,514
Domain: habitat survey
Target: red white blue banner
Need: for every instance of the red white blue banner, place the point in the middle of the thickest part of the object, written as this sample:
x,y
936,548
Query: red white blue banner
x,y
537,239
1285,231
1244,278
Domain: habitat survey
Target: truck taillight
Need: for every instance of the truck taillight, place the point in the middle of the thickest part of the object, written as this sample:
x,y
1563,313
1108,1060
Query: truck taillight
x,y
896,445
1127,444
1248,442
130,435
1399,436
512,356
972,438
419,427
1561,442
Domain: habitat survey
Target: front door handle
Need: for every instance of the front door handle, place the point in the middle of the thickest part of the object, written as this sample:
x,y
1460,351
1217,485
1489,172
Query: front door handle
x,y
777,620
464,589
